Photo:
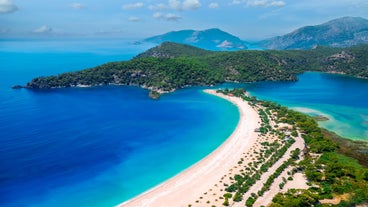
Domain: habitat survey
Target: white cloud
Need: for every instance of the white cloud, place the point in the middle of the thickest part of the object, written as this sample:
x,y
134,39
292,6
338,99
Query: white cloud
x,y
260,3
168,17
133,6
172,17
158,15
237,2
265,3
175,4
134,19
158,7
184,5
77,6
43,29
213,5
7,6
191,4
327,6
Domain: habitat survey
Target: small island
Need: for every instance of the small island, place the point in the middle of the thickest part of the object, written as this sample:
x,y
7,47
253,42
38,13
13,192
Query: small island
x,y
17,87
154,95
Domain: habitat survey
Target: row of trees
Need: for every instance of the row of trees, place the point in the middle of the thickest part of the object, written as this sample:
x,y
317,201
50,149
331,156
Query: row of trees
x,y
269,154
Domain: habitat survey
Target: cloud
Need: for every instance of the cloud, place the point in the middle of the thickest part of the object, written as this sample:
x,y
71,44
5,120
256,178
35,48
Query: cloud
x,y
237,2
7,6
168,17
77,6
260,3
184,5
158,15
213,5
172,17
265,3
133,6
134,19
175,4
191,4
43,29
158,7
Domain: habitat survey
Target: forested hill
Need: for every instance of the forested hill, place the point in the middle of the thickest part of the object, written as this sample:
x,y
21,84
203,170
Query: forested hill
x,y
170,66
172,50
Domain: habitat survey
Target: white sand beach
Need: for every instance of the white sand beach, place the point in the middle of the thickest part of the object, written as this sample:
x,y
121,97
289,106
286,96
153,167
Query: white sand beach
x,y
187,186
203,184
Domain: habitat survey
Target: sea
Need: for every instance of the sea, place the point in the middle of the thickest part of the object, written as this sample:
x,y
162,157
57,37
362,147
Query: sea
x,y
101,146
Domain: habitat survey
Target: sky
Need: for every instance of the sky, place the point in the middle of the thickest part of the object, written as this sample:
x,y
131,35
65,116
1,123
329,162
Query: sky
x,y
247,19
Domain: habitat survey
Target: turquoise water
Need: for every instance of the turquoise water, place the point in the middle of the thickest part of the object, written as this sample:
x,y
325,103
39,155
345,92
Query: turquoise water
x,y
95,146
101,146
343,99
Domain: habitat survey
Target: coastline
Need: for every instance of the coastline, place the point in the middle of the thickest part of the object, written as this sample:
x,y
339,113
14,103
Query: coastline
x,y
187,186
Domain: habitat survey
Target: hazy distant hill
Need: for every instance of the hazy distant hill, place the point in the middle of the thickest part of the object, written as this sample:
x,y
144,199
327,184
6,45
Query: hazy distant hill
x,y
211,39
342,32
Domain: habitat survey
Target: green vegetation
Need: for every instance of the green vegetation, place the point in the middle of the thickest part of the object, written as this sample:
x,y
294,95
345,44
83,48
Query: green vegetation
x,y
268,155
355,149
289,199
330,164
320,118
267,185
171,66
325,165
163,74
154,94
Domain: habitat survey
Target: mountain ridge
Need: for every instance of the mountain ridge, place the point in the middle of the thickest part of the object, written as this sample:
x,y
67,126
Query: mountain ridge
x,y
340,32
210,39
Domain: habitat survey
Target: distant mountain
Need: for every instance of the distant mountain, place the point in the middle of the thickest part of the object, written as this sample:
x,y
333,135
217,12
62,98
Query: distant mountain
x,y
211,39
342,32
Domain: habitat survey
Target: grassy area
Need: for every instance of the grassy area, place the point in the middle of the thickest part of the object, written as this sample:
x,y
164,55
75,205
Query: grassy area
x,y
355,149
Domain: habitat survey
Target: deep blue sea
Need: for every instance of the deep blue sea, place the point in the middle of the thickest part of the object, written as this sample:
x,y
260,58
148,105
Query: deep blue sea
x,y
103,145
95,146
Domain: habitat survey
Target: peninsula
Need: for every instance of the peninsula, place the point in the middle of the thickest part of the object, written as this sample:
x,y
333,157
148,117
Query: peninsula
x,y
172,66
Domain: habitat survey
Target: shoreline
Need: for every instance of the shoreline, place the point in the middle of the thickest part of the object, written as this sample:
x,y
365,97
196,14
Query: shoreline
x,y
187,186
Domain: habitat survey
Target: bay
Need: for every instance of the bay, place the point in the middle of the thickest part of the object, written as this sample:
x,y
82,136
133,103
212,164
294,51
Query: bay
x,y
342,99
95,146
103,145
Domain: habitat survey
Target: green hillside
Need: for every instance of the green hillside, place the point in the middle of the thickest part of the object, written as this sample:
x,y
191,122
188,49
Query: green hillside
x,y
171,66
